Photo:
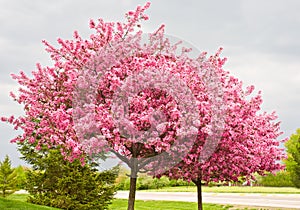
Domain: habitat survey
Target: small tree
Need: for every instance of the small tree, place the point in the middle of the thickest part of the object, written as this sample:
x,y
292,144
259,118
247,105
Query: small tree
x,y
56,182
7,177
293,160
21,176
247,143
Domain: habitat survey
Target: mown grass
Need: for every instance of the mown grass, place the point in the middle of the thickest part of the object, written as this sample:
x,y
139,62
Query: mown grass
x,y
18,197
121,204
233,189
17,204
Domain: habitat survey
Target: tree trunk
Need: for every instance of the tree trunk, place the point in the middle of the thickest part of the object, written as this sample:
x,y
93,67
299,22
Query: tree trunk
x,y
132,191
199,193
133,179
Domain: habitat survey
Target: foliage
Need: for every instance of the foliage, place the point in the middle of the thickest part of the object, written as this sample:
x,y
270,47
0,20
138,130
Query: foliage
x,y
279,179
72,104
180,182
248,142
146,182
53,117
21,176
7,177
241,140
293,160
56,182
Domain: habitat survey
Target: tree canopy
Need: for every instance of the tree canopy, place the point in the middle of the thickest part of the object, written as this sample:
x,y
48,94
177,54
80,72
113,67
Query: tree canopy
x,y
144,98
57,182
7,177
293,157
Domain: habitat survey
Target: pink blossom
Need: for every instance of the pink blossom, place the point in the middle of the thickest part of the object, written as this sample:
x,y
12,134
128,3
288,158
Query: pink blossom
x,y
76,103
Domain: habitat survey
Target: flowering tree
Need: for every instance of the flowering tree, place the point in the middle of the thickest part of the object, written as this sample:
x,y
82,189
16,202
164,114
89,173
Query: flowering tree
x,y
143,98
247,143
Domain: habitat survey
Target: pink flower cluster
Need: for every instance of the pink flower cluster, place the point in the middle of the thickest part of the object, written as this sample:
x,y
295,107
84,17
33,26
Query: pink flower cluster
x,y
115,92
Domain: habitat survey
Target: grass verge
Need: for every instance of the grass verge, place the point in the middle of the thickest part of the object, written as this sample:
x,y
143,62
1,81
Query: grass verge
x,y
17,204
233,189
121,204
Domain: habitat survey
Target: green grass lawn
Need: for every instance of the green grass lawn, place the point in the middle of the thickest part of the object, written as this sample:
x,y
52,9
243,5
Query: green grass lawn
x,y
121,204
18,197
16,202
233,189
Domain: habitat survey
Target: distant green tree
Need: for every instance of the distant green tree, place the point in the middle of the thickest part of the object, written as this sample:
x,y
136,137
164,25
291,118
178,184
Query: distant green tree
x,y
59,183
7,177
20,171
279,179
293,160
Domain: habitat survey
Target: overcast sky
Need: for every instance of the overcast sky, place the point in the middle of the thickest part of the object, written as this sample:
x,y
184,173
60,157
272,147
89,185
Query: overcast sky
x,y
260,40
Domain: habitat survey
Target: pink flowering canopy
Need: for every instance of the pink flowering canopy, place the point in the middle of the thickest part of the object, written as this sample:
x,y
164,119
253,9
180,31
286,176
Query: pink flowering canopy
x,y
144,98
248,141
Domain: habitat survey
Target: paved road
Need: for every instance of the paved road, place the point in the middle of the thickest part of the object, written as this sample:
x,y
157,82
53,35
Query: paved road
x,y
264,200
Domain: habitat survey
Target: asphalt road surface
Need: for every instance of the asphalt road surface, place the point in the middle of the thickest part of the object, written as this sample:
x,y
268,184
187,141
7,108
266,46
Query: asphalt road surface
x,y
291,201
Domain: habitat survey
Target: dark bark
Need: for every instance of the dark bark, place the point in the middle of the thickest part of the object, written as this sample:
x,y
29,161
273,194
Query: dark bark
x,y
199,193
132,191
133,178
